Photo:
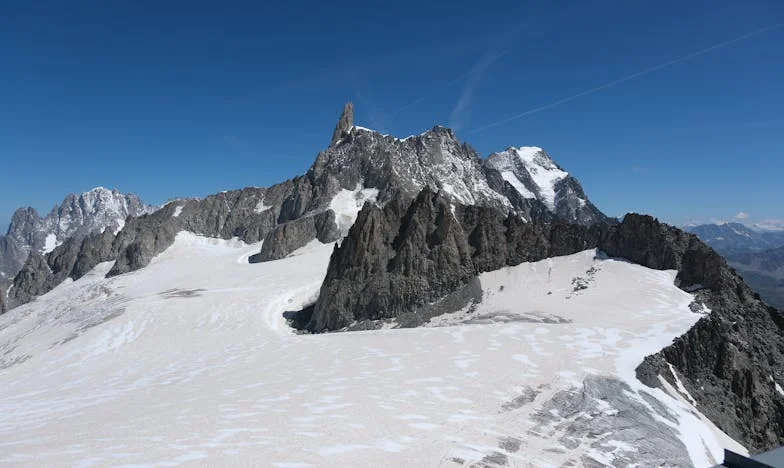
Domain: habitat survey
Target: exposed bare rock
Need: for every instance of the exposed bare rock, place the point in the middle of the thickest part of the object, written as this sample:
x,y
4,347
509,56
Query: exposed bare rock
x,y
290,236
343,127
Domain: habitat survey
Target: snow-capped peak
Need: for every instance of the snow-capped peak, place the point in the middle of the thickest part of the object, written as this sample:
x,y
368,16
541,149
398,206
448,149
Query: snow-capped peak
x,y
530,171
95,210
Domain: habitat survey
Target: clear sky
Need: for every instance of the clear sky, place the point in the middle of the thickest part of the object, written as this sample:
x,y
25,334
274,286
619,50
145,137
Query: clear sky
x,y
666,107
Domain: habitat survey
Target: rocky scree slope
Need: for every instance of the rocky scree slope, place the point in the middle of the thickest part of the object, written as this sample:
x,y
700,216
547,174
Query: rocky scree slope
x,y
400,260
77,216
289,215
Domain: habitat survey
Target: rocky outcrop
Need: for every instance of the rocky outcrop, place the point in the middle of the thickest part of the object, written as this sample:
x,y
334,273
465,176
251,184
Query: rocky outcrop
x,y
2,302
33,280
533,175
397,260
290,236
393,261
344,125
731,362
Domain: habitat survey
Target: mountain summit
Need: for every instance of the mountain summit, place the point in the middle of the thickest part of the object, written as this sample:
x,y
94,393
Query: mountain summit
x,y
78,215
359,166
344,125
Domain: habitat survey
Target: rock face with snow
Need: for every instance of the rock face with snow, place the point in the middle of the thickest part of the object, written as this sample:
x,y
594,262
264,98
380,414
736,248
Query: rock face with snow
x,y
406,256
78,215
531,172
360,166
290,236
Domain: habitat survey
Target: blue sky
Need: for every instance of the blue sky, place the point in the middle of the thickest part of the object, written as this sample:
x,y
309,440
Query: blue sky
x,y
670,108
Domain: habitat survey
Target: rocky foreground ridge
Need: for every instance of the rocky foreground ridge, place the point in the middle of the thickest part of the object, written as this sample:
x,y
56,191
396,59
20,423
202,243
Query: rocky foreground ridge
x,y
409,261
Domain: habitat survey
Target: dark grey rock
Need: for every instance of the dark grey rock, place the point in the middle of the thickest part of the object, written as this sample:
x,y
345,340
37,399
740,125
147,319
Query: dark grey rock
x,y
290,236
398,259
344,125
394,261
527,395
510,444
34,279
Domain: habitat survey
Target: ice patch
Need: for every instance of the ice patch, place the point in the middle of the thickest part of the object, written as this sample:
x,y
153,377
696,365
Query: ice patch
x,y
680,387
261,207
544,172
120,225
510,177
347,204
177,211
51,243
776,385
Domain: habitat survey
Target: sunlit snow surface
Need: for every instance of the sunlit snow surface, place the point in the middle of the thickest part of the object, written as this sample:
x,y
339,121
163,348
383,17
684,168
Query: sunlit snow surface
x,y
50,243
189,361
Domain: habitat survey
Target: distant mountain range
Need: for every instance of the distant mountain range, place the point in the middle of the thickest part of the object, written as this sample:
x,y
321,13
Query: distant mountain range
x,y
730,238
757,254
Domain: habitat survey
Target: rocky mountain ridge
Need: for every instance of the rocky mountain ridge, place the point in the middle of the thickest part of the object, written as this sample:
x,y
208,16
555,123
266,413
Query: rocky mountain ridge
x,y
290,214
77,216
731,238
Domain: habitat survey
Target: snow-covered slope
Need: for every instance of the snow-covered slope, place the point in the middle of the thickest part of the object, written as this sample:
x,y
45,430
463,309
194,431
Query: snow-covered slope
x,y
190,361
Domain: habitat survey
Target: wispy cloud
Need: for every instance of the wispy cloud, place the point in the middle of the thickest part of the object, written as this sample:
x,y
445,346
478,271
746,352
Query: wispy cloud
x,y
379,119
633,76
770,225
475,76
236,143
742,215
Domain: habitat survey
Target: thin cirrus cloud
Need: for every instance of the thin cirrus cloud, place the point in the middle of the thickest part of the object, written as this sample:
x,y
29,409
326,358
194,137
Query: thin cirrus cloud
x,y
633,76
475,76
379,118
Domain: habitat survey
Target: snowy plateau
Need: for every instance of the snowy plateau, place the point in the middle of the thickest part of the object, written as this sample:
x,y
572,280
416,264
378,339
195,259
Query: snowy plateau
x,y
190,362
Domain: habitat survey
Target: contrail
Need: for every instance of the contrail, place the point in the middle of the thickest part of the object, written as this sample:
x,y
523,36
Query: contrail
x,y
633,76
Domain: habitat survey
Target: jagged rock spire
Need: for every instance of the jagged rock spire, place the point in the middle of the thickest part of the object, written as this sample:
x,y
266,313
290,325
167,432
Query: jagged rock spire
x,y
344,124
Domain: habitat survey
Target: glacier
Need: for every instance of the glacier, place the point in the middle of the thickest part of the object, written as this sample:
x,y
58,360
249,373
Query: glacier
x,y
190,361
